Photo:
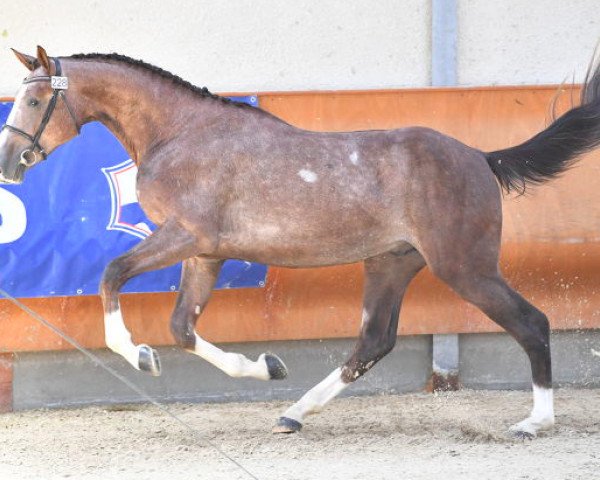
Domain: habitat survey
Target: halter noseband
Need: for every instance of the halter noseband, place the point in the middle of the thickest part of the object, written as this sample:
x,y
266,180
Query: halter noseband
x,y
59,85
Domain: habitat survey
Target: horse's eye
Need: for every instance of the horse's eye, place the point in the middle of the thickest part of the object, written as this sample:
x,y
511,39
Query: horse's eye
x,y
34,102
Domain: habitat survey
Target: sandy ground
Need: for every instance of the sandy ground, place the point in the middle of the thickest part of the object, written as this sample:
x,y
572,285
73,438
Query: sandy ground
x,y
420,436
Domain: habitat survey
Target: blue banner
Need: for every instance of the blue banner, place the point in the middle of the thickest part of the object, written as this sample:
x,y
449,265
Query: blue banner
x,y
76,212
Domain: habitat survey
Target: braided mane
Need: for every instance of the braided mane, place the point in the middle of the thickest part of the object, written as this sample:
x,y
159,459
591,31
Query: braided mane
x,y
115,57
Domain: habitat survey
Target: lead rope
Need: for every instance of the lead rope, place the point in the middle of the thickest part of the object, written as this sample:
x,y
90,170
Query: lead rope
x,y
95,359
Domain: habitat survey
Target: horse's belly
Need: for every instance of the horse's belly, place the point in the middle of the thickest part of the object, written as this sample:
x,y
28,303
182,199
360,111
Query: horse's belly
x,y
296,226
277,246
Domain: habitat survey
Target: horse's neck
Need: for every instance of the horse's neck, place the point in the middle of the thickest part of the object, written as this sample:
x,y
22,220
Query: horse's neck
x,y
138,109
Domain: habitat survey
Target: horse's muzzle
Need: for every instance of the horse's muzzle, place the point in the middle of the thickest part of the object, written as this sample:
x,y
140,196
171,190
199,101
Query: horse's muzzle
x,y
10,181
15,177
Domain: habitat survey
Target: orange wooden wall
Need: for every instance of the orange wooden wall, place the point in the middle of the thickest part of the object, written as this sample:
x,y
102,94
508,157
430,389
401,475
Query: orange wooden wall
x,y
551,251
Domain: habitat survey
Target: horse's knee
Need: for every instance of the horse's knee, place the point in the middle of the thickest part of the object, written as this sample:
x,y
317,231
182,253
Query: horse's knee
x,y
366,356
182,329
534,332
183,323
113,276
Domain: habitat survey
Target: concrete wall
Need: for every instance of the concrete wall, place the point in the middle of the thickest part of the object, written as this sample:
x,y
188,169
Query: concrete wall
x,y
496,361
525,42
239,45
58,379
489,361
262,45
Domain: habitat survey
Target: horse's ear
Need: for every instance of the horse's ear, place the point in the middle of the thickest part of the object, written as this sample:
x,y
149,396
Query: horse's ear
x,y
42,57
31,63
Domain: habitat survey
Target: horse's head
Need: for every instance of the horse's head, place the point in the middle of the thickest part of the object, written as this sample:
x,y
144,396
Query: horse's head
x,y
40,120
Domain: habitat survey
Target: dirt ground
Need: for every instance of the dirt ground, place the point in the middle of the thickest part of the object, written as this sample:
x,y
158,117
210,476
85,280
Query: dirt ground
x,y
419,436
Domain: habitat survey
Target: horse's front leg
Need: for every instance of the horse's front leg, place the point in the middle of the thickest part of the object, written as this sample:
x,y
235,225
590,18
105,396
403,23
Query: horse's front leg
x,y
166,246
386,279
197,280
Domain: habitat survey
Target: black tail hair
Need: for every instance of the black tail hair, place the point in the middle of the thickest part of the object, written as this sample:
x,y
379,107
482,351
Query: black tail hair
x,y
555,149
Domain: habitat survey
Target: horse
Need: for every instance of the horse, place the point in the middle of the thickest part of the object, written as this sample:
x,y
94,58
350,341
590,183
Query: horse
x,y
223,180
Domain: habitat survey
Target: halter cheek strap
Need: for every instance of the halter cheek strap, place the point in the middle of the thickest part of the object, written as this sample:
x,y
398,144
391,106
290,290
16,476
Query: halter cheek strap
x,y
59,85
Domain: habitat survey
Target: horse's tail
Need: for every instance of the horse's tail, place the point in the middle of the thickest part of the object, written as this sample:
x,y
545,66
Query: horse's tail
x,y
553,150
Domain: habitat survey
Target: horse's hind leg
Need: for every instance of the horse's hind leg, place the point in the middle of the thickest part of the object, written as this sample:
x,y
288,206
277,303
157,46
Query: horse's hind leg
x,y
165,247
386,279
197,280
465,256
490,292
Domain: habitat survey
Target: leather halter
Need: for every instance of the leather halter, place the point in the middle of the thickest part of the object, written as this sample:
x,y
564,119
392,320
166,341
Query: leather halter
x,y
35,146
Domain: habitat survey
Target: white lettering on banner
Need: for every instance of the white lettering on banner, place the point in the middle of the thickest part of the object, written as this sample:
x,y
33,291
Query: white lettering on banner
x,y
14,217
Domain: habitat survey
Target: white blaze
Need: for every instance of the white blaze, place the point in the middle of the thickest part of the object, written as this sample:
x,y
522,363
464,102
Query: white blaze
x,y
16,105
12,116
354,158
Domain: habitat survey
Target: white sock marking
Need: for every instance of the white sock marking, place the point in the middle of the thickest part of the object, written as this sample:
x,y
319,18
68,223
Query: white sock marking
x,y
308,175
118,338
542,414
233,364
543,403
316,398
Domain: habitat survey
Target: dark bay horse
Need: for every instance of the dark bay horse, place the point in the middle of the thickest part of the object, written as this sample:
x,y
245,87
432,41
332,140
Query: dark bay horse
x,y
223,180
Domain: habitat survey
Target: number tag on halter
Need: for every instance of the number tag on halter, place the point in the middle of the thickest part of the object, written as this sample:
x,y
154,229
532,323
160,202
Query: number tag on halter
x,y
59,83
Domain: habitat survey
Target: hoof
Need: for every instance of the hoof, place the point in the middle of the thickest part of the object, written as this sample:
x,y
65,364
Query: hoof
x,y
522,431
149,361
522,435
277,369
287,425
